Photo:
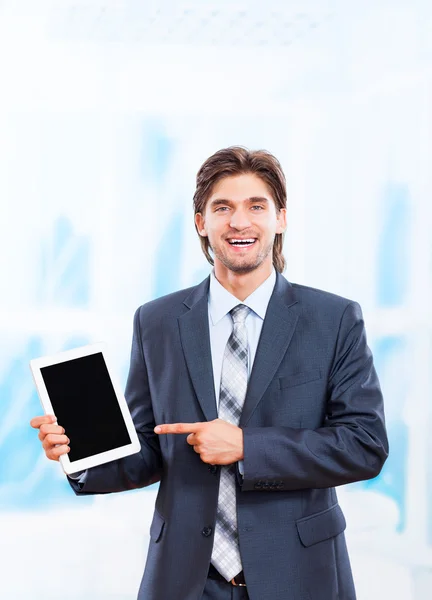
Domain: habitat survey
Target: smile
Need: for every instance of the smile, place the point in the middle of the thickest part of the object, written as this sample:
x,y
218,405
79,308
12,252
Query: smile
x,y
242,243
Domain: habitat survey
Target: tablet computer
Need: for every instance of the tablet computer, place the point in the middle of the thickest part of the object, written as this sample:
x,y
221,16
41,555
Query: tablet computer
x,y
77,387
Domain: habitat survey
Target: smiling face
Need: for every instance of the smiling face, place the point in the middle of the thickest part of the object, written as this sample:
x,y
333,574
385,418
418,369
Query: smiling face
x,y
241,221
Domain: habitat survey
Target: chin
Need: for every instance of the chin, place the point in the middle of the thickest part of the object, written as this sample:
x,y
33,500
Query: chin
x,y
241,267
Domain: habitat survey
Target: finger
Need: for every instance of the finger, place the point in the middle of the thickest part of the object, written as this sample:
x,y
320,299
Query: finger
x,y
179,428
36,422
46,429
191,439
52,440
196,449
56,452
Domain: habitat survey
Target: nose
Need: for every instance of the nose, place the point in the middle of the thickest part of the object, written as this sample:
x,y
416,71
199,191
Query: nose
x,y
240,219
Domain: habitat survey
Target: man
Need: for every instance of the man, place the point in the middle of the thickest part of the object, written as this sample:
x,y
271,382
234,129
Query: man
x,y
253,398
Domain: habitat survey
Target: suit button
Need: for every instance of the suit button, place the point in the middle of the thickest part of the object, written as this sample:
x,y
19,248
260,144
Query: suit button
x,y
213,469
258,485
207,531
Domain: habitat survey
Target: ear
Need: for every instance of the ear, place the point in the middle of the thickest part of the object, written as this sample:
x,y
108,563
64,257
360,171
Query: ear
x,y
200,224
281,221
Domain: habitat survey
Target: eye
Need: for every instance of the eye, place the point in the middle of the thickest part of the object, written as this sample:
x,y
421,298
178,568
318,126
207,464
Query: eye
x,y
221,209
257,207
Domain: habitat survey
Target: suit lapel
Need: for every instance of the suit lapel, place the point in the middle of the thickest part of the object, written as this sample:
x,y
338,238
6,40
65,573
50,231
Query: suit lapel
x,y
195,339
278,328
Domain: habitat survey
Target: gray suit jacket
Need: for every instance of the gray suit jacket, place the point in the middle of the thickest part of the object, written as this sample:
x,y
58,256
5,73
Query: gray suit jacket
x,y
312,420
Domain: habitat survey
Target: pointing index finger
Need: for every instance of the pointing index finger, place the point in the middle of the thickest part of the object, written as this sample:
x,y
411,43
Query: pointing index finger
x,y
178,428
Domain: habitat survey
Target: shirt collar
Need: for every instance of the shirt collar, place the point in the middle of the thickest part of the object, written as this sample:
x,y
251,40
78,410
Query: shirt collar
x,y
221,301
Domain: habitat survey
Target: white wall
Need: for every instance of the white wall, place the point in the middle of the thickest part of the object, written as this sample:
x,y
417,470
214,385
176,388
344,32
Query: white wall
x,y
107,109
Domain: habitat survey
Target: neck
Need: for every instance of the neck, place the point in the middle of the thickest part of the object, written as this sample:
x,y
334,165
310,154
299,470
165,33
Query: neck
x,y
242,285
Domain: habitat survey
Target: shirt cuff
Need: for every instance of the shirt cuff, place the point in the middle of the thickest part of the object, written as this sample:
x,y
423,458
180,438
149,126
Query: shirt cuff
x,y
241,467
79,476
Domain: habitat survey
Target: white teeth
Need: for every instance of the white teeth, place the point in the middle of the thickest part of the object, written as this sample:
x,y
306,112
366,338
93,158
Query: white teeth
x,y
250,241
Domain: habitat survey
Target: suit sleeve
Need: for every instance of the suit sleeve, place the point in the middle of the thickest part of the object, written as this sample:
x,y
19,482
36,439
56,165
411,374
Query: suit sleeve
x,y
145,467
351,445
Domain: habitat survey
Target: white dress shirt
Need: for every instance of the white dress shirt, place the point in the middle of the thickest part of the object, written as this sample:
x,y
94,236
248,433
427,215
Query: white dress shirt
x,y
220,302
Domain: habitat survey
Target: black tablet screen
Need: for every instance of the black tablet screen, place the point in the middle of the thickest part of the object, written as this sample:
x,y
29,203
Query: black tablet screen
x,y
85,404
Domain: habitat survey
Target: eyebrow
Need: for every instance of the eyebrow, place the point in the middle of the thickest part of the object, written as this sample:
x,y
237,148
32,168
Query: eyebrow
x,y
219,201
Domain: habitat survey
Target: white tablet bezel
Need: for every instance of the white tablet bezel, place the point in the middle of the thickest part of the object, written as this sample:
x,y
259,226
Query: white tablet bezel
x,y
69,466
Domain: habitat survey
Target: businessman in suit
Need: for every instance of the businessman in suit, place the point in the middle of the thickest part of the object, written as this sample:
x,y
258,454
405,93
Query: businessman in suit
x,y
253,398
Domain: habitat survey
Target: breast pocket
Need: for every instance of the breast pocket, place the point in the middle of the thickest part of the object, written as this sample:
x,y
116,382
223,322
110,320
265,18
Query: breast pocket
x,y
302,399
299,378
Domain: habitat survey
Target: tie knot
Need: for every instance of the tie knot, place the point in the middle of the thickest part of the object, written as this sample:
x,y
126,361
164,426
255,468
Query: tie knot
x,y
239,313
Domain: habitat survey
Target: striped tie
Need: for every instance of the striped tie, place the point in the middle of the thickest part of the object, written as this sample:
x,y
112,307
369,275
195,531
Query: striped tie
x,y
234,378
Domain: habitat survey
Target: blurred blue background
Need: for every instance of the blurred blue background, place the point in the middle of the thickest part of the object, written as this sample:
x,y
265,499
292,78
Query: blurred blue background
x,y
107,111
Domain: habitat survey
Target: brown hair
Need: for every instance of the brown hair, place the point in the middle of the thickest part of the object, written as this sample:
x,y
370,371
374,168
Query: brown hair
x,y
237,160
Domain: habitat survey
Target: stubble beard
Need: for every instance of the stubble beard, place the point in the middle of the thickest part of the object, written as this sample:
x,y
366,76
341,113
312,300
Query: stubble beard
x,y
243,266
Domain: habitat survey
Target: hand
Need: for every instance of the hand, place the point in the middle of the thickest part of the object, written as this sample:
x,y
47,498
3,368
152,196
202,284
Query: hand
x,y
54,442
217,442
